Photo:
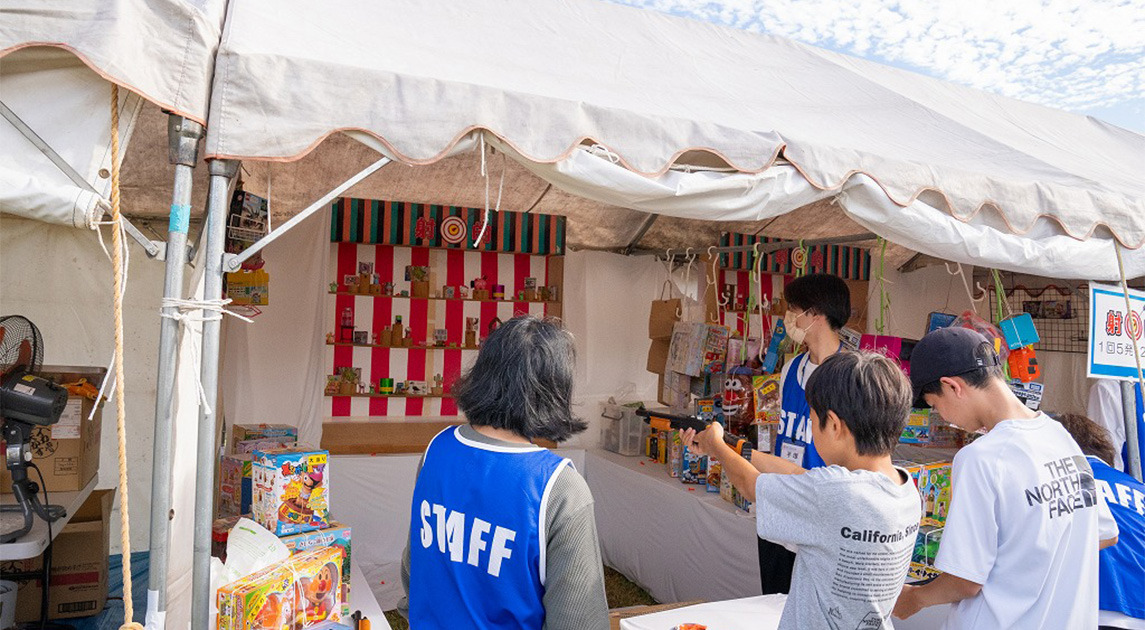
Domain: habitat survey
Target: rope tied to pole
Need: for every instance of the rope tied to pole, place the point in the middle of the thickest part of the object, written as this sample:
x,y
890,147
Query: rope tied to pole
x,y
120,404
188,311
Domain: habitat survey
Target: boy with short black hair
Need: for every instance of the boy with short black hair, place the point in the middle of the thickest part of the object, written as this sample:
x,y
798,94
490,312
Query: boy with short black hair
x,y
853,521
818,306
1020,543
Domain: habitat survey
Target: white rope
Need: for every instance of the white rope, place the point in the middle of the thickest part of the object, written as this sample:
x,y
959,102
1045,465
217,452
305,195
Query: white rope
x,y
187,310
500,189
109,376
600,150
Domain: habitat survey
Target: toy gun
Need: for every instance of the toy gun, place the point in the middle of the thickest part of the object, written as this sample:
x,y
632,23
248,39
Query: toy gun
x,y
662,421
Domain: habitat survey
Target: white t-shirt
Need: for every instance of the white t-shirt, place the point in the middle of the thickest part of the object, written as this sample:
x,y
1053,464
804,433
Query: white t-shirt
x,y
1025,522
1104,408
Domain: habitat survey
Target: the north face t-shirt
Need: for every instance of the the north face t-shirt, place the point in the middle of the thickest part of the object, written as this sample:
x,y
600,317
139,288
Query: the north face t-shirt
x,y
854,531
1025,522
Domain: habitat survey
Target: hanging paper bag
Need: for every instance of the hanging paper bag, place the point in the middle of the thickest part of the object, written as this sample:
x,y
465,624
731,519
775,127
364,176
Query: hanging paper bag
x,y
662,318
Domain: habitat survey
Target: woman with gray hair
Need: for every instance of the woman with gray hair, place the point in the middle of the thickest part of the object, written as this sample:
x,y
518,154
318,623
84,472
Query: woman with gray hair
x,y
502,532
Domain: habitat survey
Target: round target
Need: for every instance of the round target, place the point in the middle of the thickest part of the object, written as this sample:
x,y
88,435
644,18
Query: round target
x,y
799,257
453,230
1133,324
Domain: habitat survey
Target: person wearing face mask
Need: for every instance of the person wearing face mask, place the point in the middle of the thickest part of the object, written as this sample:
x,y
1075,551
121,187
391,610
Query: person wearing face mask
x,y
818,306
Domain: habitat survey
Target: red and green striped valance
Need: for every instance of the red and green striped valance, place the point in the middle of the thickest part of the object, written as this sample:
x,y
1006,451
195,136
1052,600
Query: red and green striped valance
x,y
397,223
849,263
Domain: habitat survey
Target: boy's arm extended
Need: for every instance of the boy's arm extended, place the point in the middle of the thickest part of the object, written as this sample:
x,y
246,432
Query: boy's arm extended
x,y
742,473
945,589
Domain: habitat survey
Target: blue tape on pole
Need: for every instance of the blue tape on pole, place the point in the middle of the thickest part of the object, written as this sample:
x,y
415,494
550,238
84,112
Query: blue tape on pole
x,y
180,218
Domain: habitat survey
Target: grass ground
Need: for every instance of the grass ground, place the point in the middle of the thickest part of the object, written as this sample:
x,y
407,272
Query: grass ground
x,y
620,591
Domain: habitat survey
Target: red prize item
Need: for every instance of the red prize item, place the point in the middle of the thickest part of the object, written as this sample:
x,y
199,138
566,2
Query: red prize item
x,y
781,257
816,260
1024,364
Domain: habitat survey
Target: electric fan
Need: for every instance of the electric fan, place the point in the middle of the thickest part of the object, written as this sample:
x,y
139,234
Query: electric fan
x,y
26,401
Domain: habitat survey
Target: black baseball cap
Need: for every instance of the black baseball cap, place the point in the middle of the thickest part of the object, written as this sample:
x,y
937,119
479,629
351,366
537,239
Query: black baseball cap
x,y
948,352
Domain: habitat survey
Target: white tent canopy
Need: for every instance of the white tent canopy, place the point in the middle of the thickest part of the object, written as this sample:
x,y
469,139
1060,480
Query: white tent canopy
x,y
657,90
59,58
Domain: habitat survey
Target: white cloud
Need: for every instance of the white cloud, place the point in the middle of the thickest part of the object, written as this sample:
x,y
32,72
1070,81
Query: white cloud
x,y
1060,53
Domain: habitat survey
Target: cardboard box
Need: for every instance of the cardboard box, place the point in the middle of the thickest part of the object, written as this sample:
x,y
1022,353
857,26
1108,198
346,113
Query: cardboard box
x,y
79,566
66,452
290,490
934,487
337,536
244,432
247,447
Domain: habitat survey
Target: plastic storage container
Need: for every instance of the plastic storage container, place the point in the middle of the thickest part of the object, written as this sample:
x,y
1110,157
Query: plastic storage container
x,y
623,431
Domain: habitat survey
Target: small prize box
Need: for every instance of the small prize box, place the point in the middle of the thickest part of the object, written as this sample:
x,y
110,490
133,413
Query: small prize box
x,y
290,490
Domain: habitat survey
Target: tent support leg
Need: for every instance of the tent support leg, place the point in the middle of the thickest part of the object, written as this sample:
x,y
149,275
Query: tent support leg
x,y
222,172
234,262
1128,396
183,137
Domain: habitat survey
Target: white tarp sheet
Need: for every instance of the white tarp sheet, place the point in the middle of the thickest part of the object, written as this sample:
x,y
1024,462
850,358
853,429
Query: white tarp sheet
x,y
57,61
546,78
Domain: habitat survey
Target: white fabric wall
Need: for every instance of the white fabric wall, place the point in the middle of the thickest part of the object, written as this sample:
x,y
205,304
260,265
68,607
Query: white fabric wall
x,y
60,279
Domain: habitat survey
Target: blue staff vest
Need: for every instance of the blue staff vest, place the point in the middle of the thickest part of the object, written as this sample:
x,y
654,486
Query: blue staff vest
x,y
477,535
795,418
1121,577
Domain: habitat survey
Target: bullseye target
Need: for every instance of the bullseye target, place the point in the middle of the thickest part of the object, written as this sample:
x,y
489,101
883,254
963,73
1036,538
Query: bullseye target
x,y
799,257
453,230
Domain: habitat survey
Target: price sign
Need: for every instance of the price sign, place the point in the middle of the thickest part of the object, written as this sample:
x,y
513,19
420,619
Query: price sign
x,y
1113,330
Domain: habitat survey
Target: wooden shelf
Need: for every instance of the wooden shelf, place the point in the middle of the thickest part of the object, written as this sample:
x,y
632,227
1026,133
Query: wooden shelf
x,y
385,396
472,250
440,299
378,345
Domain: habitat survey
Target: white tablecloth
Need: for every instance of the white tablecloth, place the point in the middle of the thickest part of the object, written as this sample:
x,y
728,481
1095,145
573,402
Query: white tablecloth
x,y
678,541
761,612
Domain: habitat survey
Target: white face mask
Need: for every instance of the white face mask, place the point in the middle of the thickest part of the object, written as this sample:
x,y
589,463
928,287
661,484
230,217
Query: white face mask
x,y
797,334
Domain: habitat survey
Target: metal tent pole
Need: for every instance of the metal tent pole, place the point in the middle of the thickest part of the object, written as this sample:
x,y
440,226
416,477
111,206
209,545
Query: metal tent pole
x,y
1132,445
222,171
183,138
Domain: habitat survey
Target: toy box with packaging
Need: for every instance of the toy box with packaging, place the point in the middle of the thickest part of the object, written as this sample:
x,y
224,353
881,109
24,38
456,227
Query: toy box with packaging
x,y
290,489
245,432
934,487
336,536
715,472
299,592
675,454
235,490
917,429
247,447
925,552
694,467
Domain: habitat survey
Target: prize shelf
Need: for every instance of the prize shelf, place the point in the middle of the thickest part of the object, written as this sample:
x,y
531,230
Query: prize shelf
x,y
440,299
388,396
378,345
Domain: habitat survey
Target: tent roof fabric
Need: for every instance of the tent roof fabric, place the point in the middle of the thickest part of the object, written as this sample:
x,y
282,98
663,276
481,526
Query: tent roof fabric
x,y
162,50
656,90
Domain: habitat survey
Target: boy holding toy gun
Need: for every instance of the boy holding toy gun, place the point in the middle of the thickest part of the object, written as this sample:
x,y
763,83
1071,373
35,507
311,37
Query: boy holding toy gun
x,y
853,521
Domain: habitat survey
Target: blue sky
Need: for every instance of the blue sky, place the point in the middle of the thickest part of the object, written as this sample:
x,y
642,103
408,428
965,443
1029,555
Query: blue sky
x,y
1087,58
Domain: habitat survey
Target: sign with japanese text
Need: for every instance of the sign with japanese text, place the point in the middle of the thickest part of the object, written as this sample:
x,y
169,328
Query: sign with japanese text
x,y
1112,332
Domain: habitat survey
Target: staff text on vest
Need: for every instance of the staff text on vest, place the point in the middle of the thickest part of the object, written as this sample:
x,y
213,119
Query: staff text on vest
x,y
451,528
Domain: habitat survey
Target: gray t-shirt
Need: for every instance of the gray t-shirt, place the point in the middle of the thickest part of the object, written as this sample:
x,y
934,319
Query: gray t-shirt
x,y
853,531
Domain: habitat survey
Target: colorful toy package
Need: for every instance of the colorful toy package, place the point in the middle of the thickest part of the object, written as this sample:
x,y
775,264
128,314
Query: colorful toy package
x,y
925,551
247,447
290,495
726,488
739,406
766,390
917,429
675,454
245,432
934,486
300,592
715,473
235,490
336,536
694,468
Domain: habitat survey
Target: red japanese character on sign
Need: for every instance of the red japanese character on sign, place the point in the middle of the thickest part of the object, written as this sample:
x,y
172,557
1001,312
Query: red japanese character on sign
x,y
1113,323
426,228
